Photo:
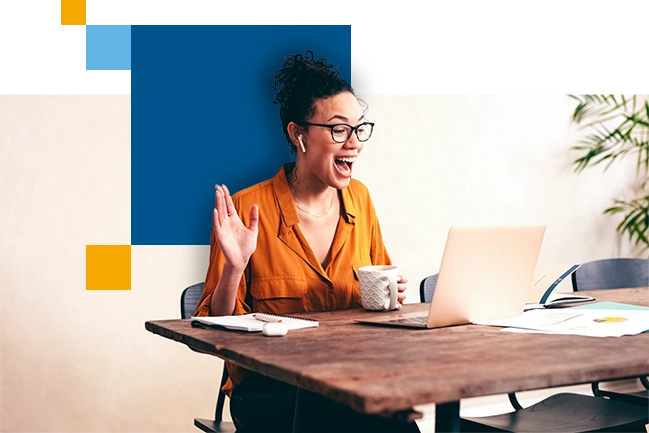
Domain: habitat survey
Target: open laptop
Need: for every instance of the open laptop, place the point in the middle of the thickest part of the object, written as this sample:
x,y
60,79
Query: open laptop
x,y
485,274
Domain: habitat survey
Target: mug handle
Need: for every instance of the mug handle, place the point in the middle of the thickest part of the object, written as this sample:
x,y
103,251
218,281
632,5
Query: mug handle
x,y
394,291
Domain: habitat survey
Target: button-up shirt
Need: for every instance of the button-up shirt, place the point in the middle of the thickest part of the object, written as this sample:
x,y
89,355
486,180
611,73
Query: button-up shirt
x,y
283,275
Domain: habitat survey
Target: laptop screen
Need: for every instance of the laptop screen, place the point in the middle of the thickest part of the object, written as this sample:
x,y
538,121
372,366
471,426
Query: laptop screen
x,y
485,273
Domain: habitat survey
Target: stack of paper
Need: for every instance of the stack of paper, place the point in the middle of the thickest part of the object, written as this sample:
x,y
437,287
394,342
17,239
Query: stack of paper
x,y
596,322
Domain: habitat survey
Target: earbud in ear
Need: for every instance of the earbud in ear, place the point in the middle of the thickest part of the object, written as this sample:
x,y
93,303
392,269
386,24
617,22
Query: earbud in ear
x,y
299,138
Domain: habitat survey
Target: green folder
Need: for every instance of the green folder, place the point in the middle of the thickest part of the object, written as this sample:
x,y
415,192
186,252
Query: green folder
x,y
610,306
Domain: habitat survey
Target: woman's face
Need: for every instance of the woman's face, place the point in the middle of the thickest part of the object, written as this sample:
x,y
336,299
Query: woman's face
x,y
331,162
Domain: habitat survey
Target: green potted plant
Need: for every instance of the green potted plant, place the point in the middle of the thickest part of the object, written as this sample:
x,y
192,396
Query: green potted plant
x,y
618,126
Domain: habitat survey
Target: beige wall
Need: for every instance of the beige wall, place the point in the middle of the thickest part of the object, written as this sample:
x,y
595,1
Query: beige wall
x,y
79,361
76,360
435,161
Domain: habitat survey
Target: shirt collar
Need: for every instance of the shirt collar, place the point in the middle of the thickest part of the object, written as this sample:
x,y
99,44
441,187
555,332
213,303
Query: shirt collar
x,y
348,203
287,206
284,197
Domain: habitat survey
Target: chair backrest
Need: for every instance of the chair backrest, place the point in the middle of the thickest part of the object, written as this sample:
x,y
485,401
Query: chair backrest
x,y
189,300
427,287
614,273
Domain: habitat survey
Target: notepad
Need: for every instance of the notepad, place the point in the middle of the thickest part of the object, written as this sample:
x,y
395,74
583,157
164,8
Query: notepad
x,y
249,323
546,279
556,300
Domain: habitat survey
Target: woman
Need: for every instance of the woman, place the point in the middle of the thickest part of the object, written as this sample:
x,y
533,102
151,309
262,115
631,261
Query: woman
x,y
294,243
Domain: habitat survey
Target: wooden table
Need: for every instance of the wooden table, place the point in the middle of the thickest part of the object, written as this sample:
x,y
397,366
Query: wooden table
x,y
387,371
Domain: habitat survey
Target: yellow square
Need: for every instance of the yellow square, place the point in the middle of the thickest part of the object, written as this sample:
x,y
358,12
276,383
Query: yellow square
x,y
108,267
73,12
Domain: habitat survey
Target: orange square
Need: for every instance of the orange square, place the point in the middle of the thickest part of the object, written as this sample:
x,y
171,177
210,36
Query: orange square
x,y
73,12
108,267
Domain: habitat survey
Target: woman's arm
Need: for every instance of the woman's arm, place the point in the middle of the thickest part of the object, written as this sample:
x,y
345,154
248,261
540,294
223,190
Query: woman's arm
x,y
237,242
225,294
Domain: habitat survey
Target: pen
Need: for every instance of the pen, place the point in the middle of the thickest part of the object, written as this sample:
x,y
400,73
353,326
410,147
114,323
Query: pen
x,y
268,319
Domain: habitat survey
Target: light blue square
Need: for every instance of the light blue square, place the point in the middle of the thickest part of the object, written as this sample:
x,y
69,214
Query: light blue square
x,y
108,48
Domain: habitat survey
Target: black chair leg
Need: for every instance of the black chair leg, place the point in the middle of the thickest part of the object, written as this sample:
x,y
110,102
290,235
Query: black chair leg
x,y
220,400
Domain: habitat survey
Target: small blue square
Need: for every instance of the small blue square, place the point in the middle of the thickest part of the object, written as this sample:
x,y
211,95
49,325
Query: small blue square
x,y
108,48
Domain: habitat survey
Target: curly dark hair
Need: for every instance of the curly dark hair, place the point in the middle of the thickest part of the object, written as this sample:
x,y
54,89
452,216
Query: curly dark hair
x,y
300,82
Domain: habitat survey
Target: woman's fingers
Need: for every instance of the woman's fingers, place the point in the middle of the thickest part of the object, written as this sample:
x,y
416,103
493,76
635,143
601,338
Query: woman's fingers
x,y
217,225
219,205
215,220
224,208
401,287
231,210
254,217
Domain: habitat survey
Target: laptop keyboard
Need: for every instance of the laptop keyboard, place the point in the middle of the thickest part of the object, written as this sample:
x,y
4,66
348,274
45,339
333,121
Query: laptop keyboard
x,y
420,320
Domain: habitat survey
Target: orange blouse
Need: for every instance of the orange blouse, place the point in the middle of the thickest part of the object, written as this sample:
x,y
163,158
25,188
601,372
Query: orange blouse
x,y
283,275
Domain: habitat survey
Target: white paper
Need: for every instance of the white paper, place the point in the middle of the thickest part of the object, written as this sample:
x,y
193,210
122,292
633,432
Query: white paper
x,y
248,322
592,323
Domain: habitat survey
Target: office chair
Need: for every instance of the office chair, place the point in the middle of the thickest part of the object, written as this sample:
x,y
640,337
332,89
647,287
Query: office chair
x,y
188,301
611,274
615,273
562,412
427,288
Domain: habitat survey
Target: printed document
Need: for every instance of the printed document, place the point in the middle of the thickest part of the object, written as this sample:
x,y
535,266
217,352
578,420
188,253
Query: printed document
x,y
592,323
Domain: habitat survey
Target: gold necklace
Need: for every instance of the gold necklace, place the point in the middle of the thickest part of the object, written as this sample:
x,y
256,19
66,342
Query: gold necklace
x,y
331,206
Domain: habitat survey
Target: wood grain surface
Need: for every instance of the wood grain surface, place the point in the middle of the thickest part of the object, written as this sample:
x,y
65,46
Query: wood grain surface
x,y
384,370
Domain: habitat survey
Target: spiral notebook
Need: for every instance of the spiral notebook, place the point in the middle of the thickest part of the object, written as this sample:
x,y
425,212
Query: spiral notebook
x,y
253,322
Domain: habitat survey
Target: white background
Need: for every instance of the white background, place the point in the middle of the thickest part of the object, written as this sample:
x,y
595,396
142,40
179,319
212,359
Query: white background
x,y
445,44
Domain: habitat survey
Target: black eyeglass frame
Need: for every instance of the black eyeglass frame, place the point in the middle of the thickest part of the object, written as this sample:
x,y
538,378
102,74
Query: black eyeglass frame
x,y
352,129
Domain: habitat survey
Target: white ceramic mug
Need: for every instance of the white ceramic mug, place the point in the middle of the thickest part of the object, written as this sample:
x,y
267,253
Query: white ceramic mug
x,y
378,286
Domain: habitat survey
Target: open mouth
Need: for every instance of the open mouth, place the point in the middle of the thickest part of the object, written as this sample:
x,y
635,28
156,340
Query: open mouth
x,y
344,165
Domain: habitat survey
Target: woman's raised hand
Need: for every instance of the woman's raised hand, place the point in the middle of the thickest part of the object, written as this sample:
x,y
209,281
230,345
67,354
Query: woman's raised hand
x,y
237,241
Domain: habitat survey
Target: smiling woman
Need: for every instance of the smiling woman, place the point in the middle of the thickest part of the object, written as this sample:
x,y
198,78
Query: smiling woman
x,y
294,243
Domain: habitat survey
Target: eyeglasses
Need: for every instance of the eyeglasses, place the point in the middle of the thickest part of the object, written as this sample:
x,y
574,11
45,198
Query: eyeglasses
x,y
341,132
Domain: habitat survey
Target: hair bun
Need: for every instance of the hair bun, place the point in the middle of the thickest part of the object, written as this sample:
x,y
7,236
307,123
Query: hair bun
x,y
300,82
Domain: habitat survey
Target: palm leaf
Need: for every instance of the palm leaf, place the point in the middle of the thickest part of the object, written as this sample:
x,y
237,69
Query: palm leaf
x,y
617,126
635,222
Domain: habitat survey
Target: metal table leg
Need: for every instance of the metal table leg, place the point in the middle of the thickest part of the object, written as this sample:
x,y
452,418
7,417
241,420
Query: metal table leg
x,y
447,417
298,423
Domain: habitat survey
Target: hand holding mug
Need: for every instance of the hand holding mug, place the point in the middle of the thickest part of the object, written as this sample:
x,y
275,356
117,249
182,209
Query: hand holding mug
x,y
402,284
381,287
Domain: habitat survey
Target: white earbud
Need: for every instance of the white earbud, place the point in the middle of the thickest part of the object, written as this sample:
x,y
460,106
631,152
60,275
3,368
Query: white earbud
x,y
299,138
